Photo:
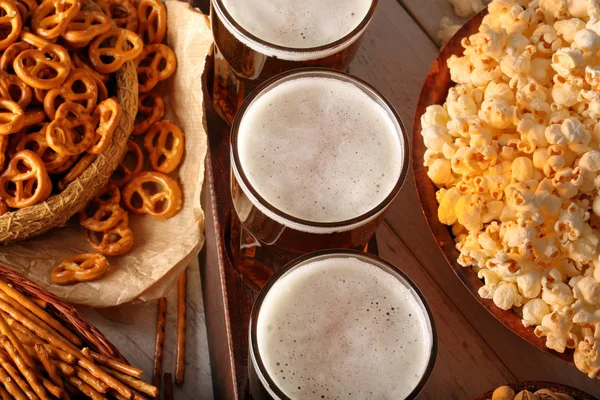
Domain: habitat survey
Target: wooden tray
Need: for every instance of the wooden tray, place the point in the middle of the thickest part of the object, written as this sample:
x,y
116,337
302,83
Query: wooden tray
x,y
227,299
533,386
434,91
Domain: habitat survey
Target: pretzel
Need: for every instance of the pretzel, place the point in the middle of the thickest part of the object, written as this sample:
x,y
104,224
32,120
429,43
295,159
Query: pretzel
x,y
21,189
122,369
70,161
161,311
12,88
10,16
26,9
99,78
125,170
156,63
34,118
181,323
4,140
13,120
11,386
123,14
152,15
49,366
30,63
36,142
9,55
139,201
6,364
127,46
79,88
104,216
3,207
84,267
76,171
51,18
112,242
25,369
151,108
157,141
86,26
62,135
107,115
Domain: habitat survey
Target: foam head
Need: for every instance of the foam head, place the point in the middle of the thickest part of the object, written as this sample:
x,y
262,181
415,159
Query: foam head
x,y
320,149
342,328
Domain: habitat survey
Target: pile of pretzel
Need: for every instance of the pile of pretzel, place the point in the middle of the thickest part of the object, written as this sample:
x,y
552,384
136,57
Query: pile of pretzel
x,y
41,359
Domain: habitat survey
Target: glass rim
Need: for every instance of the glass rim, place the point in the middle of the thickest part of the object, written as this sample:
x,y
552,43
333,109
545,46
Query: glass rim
x,y
298,50
372,259
371,92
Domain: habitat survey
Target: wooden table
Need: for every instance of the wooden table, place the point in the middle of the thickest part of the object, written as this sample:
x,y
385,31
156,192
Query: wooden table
x,y
475,351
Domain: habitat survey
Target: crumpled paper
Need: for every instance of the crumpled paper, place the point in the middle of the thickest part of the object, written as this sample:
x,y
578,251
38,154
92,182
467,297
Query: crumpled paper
x,y
162,249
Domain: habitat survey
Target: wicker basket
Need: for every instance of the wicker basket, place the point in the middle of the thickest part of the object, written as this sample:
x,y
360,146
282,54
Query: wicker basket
x,y
56,211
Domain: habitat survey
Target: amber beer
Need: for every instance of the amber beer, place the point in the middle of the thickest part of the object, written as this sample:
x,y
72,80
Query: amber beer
x,y
256,40
317,156
340,325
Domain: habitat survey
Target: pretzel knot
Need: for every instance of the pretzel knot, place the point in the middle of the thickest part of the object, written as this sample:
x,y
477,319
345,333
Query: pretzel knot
x,y
123,14
62,133
25,181
156,63
51,18
12,88
102,213
153,193
71,90
9,17
151,108
85,27
107,116
45,66
164,144
80,268
79,168
152,15
107,57
13,119
131,164
115,241
36,142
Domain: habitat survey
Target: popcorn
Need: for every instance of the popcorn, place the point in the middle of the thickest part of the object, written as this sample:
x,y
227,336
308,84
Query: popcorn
x,y
447,30
466,8
534,311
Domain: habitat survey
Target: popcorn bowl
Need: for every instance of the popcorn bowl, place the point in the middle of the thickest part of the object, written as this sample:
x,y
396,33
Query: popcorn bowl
x,y
533,386
434,91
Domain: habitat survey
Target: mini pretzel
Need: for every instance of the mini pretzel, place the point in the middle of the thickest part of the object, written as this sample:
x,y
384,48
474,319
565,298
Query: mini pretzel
x,y
12,88
51,18
80,268
112,242
86,26
13,120
108,115
127,46
36,142
170,195
62,135
3,207
79,88
153,21
101,216
10,16
127,169
162,158
156,63
25,181
34,117
26,9
75,172
4,139
29,64
123,14
99,78
151,108
9,55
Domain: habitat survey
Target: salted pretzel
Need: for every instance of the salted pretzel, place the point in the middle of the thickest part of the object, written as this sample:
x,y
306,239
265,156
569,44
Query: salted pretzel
x,y
80,268
151,108
12,88
11,120
26,9
10,16
130,165
4,140
152,15
165,146
36,142
109,194
104,211
156,63
140,200
75,172
106,116
85,27
51,18
25,181
115,241
62,133
29,64
127,46
9,55
123,13
79,88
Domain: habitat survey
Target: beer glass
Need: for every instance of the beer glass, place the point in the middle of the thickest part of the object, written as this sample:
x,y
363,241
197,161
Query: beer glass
x,y
255,41
340,324
317,156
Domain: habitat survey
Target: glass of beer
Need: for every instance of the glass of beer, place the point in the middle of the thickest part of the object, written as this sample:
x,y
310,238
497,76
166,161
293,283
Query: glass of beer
x,y
340,325
256,40
317,156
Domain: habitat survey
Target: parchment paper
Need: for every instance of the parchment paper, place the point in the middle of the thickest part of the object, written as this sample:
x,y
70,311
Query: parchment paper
x,y
162,249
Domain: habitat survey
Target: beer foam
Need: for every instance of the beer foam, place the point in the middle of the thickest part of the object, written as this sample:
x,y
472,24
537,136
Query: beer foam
x,y
319,149
288,23
342,328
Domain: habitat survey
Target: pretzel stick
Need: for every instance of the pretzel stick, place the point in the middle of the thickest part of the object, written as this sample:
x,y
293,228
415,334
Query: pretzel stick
x,y
16,376
39,302
39,312
22,366
30,339
88,378
117,366
181,323
86,353
4,395
168,386
48,365
65,369
8,332
51,387
104,377
11,386
160,341
136,384
84,388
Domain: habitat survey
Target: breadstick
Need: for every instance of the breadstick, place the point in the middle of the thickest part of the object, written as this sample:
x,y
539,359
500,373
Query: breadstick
x,y
39,312
11,386
134,383
22,366
84,388
88,378
16,376
168,386
30,339
48,365
8,332
117,366
160,341
181,323
4,395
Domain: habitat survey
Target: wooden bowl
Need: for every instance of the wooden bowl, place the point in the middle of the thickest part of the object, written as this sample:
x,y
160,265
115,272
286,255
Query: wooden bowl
x,y
533,386
434,91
